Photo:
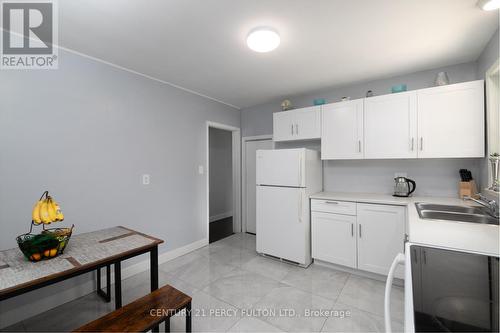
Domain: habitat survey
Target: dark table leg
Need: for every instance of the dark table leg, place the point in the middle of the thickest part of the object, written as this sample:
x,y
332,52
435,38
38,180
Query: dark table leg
x,y
154,280
167,325
104,295
154,268
118,285
188,318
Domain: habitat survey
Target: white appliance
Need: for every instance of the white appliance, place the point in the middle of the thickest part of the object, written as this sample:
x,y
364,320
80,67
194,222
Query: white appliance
x,y
285,180
446,290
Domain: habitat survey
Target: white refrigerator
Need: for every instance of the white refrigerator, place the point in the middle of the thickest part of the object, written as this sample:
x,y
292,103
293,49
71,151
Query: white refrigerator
x,y
285,180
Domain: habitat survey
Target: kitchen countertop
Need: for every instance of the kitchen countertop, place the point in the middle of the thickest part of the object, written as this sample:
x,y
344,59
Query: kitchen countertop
x,y
465,236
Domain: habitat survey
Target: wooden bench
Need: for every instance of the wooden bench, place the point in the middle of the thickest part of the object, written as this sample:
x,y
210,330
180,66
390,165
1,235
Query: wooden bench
x,y
145,313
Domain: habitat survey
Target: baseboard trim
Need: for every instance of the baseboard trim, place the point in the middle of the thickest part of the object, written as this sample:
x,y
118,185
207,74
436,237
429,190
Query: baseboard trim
x,y
220,216
358,272
162,258
28,305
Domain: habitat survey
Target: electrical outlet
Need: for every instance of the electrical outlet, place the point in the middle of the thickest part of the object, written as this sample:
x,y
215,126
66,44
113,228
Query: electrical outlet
x,y
200,169
146,179
400,174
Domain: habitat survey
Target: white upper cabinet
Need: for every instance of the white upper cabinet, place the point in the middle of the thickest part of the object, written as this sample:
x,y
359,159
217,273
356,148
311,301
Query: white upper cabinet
x,y
451,121
438,122
390,126
300,124
308,123
342,130
283,126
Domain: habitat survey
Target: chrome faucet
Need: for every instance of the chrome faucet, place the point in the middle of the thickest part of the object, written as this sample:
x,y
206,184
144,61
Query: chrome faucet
x,y
492,205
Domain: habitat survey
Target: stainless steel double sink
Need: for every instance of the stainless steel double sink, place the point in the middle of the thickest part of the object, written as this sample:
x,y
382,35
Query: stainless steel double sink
x,y
455,213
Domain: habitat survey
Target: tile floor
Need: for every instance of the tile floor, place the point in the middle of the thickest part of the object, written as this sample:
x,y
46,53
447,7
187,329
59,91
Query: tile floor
x,y
236,290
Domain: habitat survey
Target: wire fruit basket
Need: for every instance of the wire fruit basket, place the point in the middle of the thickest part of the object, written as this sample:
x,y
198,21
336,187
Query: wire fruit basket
x,y
50,242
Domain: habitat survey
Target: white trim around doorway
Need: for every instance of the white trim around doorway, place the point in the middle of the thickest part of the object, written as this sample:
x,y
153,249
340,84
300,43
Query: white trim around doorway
x,y
236,174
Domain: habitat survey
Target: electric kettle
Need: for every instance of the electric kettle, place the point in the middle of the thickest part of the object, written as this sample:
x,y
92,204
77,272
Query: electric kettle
x,y
402,187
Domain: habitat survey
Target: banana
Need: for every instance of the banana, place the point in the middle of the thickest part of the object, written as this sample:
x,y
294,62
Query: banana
x,y
59,214
44,213
35,214
51,210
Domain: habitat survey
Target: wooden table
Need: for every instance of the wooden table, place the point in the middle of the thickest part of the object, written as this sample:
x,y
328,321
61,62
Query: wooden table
x,y
85,253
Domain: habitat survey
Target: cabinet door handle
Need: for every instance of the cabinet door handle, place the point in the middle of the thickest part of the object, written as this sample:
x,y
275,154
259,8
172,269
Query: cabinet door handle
x,y
360,231
297,129
352,229
292,129
412,144
359,146
331,202
421,143
381,211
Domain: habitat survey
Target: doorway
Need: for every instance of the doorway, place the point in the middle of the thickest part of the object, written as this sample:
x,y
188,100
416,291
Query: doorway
x,y
250,146
223,184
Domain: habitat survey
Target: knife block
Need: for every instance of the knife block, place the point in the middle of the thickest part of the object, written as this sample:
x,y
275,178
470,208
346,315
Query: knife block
x,y
467,189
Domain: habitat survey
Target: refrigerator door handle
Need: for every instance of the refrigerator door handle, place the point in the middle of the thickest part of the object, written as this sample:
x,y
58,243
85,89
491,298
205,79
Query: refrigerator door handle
x,y
300,206
301,180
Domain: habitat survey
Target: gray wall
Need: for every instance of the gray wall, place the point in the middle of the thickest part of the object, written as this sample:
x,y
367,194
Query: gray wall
x,y
485,61
220,169
488,56
258,120
434,177
87,132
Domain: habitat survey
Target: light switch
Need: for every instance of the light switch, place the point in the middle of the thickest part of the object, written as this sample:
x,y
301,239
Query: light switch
x,y
200,169
146,179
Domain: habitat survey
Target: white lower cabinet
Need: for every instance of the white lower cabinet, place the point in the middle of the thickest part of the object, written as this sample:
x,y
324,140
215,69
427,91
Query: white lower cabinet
x,y
368,240
381,233
334,238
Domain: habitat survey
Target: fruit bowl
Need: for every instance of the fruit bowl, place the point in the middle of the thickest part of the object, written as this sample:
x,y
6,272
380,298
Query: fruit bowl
x,y
49,244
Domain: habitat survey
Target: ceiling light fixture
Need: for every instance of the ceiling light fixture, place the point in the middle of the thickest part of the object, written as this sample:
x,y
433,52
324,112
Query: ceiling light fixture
x,y
488,4
263,40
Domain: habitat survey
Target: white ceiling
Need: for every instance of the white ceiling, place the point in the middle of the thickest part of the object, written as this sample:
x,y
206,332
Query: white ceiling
x,y
200,44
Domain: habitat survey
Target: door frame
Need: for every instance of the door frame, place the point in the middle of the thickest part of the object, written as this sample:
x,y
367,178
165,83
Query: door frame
x,y
244,140
492,121
236,168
